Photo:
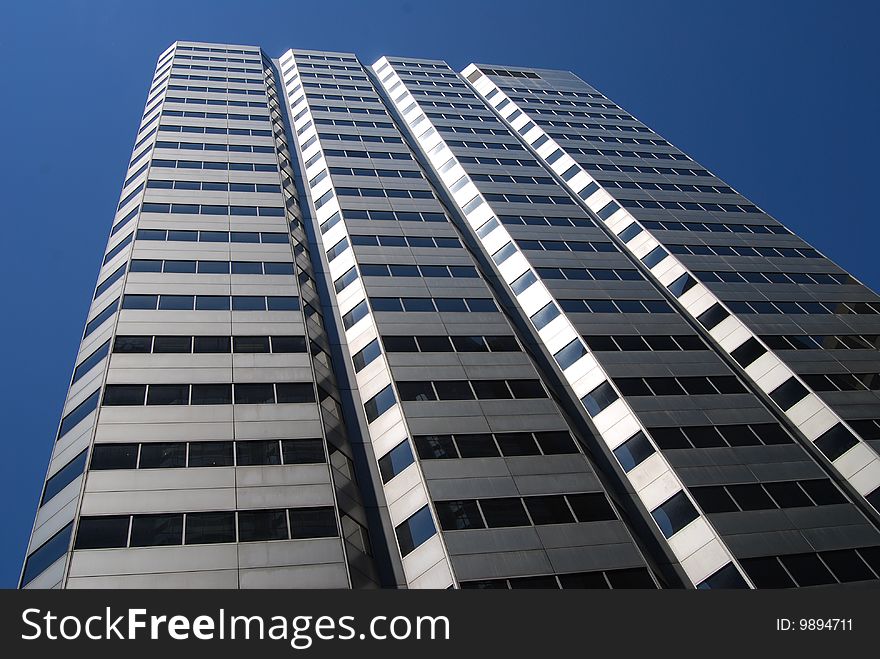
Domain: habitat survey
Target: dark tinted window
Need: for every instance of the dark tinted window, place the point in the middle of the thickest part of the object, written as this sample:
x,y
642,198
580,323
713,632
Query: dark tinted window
x,y
168,394
114,456
549,510
458,515
395,461
591,507
132,344
172,344
504,512
211,394
254,393
517,443
257,525
288,344
431,447
162,455
202,528
476,445
295,392
250,343
674,514
211,344
313,523
102,532
258,452
153,530
415,530
210,454
303,451
555,442
124,394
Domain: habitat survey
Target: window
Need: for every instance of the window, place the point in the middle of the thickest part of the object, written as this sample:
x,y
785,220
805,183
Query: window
x,y
555,442
788,394
114,456
257,452
727,577
416,391
288,344
295,392
835,442
501,512
46,554
124,394
168,394
459,515
523,282
570,354
261,525
415,530
395,461
366,355
767,572
64,476
599,398
546,314
172,344
212,527
748,352
633,451
211,344
91,361
674,514
313,523
211,394
591,507
379,403
453,390
211,454
254,393
713,316
154,530
517,443
549,510
654,257
435,447
162,455
356,314
102,532
303,451
714,499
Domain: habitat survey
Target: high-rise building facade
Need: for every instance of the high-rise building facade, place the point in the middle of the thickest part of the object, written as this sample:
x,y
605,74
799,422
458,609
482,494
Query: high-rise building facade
x,y
391,325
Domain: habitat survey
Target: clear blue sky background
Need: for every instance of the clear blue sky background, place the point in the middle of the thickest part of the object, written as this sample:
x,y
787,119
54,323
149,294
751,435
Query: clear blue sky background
x,y
780,99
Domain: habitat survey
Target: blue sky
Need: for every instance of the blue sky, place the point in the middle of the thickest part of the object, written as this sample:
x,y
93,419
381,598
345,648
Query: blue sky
x,y
779,99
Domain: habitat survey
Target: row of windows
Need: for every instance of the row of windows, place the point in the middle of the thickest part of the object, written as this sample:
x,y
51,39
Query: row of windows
x,y
332,76
219,186
349,123
637,577
204,67
504,512
590,274
220,166
128,344
384,192
493,445
643,343
214,209
690,206
814,569
531,220
843,381
512,198
201,146
485,118
396,216
205,49
212,267
443,343
210,78
442,304
680,386
117,531
504,162
426,390
797,308
566,246
472,131
209,394
265,237
470,144
349,153
177,455
206,58
345,98
823,342
643,169
215,130
767,496
741,250
719,436
615,306
212,101
341,87
715,227
211,302
542,94
404,241
775,277
642,155
347,110
608,139
383,173
342,137
192,114
216,90
670,187
404,270
623,128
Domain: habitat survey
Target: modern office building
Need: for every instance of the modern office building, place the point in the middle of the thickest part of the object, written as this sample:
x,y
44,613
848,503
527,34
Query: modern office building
x,y
391,325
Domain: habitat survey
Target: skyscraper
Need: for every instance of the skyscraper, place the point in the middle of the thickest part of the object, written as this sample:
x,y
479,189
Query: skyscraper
x,y
396,326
